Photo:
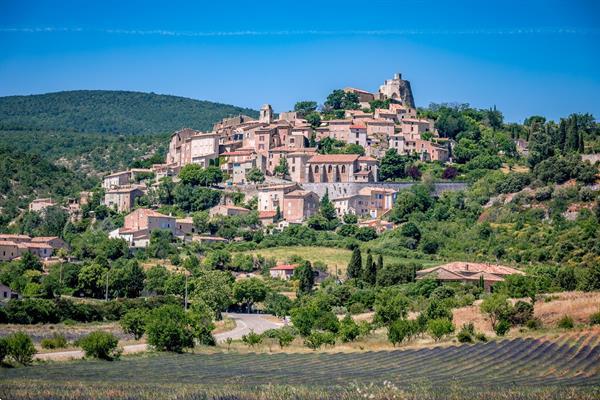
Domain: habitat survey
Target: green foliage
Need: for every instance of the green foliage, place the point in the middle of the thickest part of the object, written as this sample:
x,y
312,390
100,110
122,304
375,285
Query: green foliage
x,y
317,339
100,344
255,175
134,323
595,318
401,330
349,329
304,108
168,329
249,291
340,100
306,277
566,322
354,269
502,327
252,339
282,168
466,333
57,341
194,174
394,274
160,245
107,111
3,350
438,328
20,348
496,307
390,305
277,304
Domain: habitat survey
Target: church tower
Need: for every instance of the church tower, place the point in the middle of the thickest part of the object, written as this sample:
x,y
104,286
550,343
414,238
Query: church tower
x,y
266,114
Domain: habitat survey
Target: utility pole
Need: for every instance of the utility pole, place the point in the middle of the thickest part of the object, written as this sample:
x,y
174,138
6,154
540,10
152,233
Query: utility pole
x,y
60,284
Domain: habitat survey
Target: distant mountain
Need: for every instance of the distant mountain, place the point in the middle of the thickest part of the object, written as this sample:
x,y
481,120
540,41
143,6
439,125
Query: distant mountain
x,y
108,111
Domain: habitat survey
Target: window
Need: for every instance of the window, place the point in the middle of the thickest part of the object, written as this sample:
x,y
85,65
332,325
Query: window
x,y
330,169
316,168
343,169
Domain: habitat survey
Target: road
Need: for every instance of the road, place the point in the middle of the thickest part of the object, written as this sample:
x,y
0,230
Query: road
x,y
244,324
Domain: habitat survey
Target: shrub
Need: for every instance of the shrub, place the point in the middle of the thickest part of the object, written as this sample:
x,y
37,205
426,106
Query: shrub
x,y
57,341
438,328
481,337
502,327
356,308
566,322
252,339
20,348
168,329
534,324
134,323
285,337
465,335
317,339
521,313
401,330
102,345
595,318
349,330
3,349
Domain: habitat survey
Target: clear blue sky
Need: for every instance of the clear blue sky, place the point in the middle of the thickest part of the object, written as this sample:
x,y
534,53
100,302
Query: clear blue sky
x,y
525,57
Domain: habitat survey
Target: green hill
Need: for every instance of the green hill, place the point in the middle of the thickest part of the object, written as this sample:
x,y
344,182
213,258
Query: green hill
x,y
107,111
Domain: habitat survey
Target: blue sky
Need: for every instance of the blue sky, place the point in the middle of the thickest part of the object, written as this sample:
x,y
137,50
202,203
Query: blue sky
x,y
525,57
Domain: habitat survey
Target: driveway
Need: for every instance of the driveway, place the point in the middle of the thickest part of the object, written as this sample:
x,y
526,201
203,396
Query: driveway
x,y
244,324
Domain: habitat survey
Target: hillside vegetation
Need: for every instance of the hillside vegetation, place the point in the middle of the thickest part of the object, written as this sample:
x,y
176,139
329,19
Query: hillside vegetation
x,y
107,111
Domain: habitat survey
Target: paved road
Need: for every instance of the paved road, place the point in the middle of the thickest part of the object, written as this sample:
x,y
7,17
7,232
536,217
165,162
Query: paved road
x,y
244,324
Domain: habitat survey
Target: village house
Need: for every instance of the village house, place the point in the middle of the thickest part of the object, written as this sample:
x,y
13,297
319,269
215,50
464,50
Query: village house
x,y
9,250
228,210
377,224
283,271
53,241
116,180
14,246
468,272
42,250
140,223
38,205
299,205
6,293
184,228
189,146
15,238
267,218
122,199
271,197
341,168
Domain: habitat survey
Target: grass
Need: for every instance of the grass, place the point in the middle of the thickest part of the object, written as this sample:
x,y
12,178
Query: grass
x,y
567,366
335,258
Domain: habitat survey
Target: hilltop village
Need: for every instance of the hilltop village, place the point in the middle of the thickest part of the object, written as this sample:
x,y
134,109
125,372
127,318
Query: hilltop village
x,y
276,159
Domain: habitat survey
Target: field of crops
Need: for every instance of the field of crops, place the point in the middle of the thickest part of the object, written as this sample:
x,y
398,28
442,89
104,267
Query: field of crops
x,y
568,362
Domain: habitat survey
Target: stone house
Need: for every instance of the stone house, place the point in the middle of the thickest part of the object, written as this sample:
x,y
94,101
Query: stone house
x,y
341,168
38,205
53,241
140,223
122,199
283,271
266,217
9,250
184,228
228,210
299,205
6,293
116,180
271,197
468,272
189,146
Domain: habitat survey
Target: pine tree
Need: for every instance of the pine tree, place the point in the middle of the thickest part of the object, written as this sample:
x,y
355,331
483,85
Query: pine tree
x,y
355,265
326,209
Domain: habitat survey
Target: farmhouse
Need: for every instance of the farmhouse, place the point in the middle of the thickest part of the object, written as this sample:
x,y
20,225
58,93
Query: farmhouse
x,y
283,271
467,272
7,293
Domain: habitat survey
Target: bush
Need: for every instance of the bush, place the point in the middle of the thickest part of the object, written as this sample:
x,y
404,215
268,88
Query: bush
x,y
99,344
534,324
285,336
317,339
252,339
502,327
438,328
3,349
20,348
481,337
349,330
356,308
566,322
134,323
168,329
465,335
401,330
595,318
521,313
57,341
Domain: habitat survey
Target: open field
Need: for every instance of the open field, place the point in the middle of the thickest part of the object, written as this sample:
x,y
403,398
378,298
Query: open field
x,y
568,362
332,256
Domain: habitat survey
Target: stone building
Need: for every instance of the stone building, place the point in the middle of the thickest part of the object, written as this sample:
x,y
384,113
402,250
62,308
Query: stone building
x,y
341,168
189,146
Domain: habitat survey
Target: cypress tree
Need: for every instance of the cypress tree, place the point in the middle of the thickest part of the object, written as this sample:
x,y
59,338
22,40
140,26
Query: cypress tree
x,y
355,264
581,144
326,209
306,277
277,214
379,262
370,271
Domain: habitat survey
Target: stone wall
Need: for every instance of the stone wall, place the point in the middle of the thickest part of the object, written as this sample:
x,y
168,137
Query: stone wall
x,y
343,189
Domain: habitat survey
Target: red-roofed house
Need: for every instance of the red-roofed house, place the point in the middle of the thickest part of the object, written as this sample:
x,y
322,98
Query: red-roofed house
x,y
299,205
53,241
267,217
140,223
283,271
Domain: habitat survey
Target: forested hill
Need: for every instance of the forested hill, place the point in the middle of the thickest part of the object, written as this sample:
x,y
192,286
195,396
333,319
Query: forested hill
x,y
107,111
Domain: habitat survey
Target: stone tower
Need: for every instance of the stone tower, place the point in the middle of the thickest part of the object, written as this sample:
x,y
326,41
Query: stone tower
x,y
266,114
398,90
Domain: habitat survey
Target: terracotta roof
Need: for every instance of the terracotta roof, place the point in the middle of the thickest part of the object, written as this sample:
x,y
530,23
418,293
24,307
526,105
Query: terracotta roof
x,y
285,267
234,208
299,193
276,187
266,214
116,174
334,158
8,243
358,127
7,236
366,158
40,239
34,246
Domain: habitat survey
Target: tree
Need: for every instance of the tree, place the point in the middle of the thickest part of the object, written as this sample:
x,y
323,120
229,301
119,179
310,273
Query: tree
x,y
411,230
20,348
200,319
314,119
160,244
215,288
190,174
156,279
379,262
326,208
252,339
277,304
100,344
306,277
255,175
349,330
217,259
350,219
355,265
370,270
401,330
127,280
390,305
496,307
168,329
249,291
92,278
392,165
282,169
305,107
438,328
134,323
